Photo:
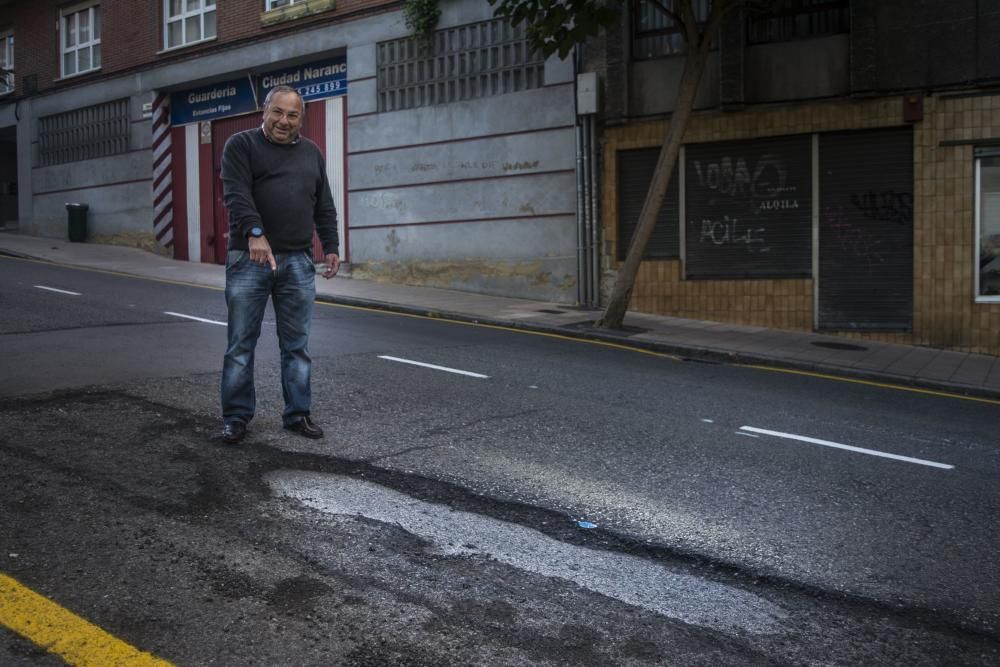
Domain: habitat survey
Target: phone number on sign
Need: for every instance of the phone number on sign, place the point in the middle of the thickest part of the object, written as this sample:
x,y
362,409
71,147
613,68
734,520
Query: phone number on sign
x,y
324,88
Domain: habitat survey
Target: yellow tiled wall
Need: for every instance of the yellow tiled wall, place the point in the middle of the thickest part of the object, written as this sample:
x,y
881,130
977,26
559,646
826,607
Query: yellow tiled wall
x,y
945,314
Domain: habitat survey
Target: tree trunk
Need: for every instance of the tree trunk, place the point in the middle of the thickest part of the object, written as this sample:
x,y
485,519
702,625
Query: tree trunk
x,y
621,293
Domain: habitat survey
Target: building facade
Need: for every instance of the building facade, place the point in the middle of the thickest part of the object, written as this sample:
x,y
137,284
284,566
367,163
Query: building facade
x,y
841,172
452,164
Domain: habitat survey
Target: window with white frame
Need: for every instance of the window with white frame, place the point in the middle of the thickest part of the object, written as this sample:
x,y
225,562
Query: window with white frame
x,y
275,4
6,61
988,224
80,41
187,22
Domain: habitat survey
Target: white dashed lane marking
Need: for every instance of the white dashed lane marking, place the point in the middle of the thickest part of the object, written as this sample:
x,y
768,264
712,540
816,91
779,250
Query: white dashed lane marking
x,y
55,289
192,317
432,366
850,448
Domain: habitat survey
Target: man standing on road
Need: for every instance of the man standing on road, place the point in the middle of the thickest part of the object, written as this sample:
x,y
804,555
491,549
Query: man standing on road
x,y
276,192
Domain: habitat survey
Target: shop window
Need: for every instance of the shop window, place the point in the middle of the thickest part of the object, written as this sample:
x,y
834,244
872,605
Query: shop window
x,y
187,22
6,62
83,134
463,63
988,224
655,34
635,174
789,20
81,39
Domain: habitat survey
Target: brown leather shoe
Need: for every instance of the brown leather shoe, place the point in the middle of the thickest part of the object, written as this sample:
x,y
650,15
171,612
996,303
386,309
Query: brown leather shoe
x,y
306,427
234,432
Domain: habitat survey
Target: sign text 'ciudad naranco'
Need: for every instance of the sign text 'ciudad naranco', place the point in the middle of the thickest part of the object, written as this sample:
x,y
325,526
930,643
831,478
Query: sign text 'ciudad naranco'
x,y
314,81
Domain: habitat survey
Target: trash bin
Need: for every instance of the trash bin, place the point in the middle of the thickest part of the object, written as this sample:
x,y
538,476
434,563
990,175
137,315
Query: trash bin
x,y
77,218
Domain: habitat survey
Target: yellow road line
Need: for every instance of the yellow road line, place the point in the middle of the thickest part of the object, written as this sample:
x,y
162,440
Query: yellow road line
x,y
871,383
509,329
59,631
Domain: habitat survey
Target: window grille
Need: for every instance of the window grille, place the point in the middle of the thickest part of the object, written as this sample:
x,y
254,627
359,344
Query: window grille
x,y
655,33
84,134
275,4
464,63
188,22
6,62
799,19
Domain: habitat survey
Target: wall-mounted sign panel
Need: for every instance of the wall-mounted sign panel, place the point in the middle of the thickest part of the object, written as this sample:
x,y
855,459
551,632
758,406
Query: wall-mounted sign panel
x,y
216,101
314,81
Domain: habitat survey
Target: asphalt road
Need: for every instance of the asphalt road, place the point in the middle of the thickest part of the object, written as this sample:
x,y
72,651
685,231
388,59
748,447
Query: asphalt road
x,y
739,515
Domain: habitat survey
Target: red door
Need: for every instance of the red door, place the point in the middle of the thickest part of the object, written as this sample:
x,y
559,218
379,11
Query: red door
x,y
313,127
221,131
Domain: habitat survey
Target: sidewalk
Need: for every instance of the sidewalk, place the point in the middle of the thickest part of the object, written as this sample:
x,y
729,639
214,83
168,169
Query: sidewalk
x,y
972,374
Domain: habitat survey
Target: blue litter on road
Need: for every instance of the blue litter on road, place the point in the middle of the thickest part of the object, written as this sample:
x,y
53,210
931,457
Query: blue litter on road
x,y
586,524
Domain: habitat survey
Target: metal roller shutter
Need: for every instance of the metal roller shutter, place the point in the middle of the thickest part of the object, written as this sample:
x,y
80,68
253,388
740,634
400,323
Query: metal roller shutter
x,y
635,173
866,230
748,208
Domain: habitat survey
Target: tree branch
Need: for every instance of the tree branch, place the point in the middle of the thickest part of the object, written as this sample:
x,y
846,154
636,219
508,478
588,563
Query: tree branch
x,y
690,23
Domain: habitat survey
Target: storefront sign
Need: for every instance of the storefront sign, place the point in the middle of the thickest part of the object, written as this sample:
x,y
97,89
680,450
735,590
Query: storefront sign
x,y
215,101
314,81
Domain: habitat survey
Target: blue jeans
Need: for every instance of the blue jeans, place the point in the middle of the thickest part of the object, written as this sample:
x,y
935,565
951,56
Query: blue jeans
x,y
292,288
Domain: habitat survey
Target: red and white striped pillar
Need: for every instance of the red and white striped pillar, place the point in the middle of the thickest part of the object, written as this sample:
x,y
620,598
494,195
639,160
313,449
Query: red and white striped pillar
x,y
163,216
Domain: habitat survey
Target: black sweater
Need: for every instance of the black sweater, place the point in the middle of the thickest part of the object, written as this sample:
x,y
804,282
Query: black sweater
x,y
281,188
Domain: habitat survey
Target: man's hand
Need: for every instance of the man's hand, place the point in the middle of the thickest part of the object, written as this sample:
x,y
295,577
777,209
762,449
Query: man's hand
x,y
260,252
332,262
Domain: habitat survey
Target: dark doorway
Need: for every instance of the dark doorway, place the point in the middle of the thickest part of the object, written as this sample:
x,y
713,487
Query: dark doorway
x,y
8,177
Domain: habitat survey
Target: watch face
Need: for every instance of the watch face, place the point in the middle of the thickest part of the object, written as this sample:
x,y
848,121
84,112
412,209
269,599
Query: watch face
x,y
256,231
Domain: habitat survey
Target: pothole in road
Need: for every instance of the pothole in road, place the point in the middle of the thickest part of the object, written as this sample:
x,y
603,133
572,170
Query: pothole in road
x,y
622,577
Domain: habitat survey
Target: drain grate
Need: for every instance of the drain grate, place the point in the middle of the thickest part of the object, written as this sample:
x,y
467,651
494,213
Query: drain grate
x,y
840,346
551,312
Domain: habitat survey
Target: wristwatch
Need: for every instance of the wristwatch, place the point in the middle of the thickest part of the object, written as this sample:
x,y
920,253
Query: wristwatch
x,y
255,232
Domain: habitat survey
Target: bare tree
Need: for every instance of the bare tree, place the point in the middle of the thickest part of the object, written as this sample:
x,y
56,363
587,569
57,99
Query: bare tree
x,y
698,37
557,26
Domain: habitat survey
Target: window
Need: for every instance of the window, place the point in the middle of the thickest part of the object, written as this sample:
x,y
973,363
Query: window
x,y
6,62
81,39
188,22
83,134
655,34
275,4
464,63
988,224
798,19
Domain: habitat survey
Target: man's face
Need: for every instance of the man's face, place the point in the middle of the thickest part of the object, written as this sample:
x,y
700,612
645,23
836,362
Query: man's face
x,y
283,118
